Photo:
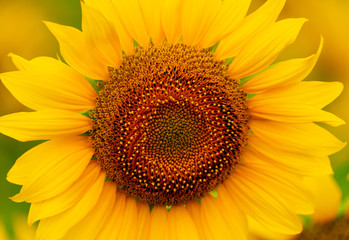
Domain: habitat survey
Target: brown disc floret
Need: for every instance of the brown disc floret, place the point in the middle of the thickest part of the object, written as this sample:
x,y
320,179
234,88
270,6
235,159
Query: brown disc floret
x,y
170,125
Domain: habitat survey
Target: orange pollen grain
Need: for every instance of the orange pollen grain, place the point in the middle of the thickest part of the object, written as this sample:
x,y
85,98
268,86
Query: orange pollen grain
x,y
170,125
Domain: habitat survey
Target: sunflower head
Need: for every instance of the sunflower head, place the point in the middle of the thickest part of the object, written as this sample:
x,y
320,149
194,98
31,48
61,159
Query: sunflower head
x,y
171,147
170,125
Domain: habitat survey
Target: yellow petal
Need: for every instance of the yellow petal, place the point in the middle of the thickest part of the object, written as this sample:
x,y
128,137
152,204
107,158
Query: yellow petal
x,y
57,169
304,139
19,173
129,219
151,12
194,209
66,199
31,159
158,222
230,15
170,232
296,163
292,113
262,50
143,221
42,125
78,53
55,228
289,186
328,197
293,104
259,232
101,34
171,23
260,203
96,219
113,227
232,214
251,25
46,83
291,71
315,94
216,224
182,224
131,17
108,11
197,17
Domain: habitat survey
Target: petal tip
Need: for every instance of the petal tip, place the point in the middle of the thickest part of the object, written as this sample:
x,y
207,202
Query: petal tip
x,y
11,55
339,122
17,198
47,23
30,222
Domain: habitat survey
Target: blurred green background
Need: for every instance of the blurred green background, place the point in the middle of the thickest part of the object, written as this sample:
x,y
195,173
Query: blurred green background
x,y
22,32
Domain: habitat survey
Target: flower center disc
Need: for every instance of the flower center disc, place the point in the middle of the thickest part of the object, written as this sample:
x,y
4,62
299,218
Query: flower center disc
x,y
170,125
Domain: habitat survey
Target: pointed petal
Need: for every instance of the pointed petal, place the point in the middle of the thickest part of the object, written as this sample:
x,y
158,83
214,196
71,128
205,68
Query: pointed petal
x,y
316,94
230,15
296,163
289,186
57,170
46,83
108,11
131,17
42,125
296,103
197,17
293,113
170,21
66,199
262,50
32,159
251,25
291,71
78,53
258,231
263,205
96,219
304,139
101,34
151,12
158,222
56,227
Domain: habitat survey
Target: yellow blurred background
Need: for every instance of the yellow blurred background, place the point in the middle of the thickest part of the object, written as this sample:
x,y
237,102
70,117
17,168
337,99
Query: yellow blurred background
x,y
22,32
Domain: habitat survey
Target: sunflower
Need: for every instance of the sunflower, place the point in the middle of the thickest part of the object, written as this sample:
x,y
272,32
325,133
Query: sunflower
x,y
168,122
